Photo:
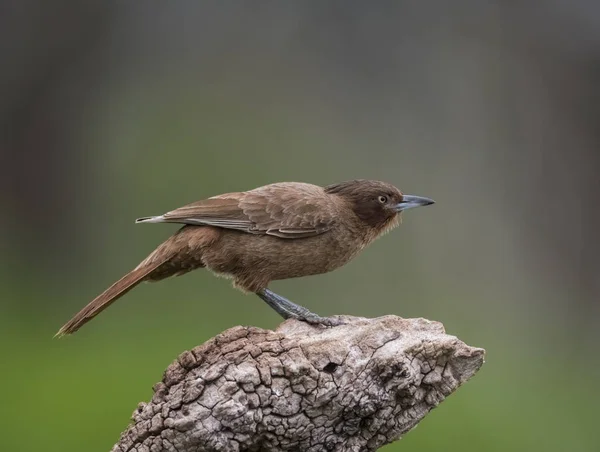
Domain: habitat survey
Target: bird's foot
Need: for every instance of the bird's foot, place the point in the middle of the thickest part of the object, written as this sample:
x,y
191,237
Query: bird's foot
x,y
288,310
315,319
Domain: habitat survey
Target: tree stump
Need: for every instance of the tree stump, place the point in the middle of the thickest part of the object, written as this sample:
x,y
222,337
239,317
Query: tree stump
x,y
353,387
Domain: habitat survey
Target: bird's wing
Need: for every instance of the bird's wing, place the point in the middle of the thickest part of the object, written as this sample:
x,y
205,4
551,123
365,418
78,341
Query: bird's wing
x,y
287,210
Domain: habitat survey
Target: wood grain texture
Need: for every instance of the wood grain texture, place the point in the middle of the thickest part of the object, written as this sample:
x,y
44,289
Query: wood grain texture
x,y
354,387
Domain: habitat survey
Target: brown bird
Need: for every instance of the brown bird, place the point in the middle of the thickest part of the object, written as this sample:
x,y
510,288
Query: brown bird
x,y
279,231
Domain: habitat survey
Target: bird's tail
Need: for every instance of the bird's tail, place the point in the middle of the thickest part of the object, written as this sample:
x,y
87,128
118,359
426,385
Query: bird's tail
x,y
113,293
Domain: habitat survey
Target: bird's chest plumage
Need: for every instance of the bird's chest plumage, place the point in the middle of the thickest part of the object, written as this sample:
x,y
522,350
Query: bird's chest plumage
x,y
273,258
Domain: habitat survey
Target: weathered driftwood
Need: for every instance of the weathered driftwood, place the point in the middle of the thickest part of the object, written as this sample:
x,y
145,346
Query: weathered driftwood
x,y
354,387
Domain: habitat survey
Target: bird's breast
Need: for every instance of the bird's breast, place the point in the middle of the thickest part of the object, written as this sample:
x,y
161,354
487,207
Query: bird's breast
x,y
273,258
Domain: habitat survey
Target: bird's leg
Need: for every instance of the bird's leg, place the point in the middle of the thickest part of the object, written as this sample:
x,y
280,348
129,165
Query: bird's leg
x,y
286,309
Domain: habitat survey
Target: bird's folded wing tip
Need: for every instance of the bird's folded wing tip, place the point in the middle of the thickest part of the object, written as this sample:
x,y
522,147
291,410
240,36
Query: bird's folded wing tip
x,y
158,219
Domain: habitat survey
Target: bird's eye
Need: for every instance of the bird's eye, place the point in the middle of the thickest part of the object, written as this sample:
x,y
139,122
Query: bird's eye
x,y
382,199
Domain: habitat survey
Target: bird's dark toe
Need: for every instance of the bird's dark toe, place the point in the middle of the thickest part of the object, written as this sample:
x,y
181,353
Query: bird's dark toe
x,y
324,321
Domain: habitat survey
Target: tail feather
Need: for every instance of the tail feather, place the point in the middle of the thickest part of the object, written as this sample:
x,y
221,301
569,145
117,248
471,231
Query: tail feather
x,y
106,298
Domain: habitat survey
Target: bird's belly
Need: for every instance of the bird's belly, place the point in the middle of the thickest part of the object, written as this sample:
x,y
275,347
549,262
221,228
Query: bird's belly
x,y
268,258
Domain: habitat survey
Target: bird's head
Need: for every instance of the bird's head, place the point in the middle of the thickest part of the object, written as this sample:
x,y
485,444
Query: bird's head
x,y
377,204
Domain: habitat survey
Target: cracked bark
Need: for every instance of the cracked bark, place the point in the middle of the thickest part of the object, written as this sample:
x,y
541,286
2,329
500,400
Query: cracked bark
x,y
354,387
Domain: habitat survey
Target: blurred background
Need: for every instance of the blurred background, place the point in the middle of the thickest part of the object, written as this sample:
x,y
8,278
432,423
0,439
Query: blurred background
x,y
114,110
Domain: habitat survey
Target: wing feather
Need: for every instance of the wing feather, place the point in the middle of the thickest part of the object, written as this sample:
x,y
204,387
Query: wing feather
x,y
286,210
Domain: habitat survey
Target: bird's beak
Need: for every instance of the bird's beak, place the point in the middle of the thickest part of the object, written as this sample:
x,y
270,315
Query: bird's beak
x,y
410,201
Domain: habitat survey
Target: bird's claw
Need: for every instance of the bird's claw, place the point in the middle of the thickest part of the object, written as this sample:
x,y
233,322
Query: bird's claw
x,y
288,310
323,321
